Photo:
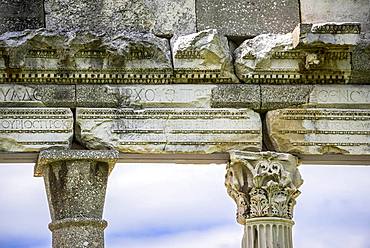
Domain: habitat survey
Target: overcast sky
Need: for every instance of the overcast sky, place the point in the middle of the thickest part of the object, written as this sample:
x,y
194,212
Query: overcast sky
x,y
186,206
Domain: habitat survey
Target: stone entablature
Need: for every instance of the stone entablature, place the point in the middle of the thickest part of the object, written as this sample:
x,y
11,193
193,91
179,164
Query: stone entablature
x,y
169,130
313,54
319,131
253,96
33,129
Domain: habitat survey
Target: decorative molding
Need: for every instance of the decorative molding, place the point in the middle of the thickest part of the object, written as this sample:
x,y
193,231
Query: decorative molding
x,y
263,184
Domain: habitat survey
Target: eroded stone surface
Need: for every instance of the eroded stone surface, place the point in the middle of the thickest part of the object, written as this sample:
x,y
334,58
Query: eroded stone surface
x,y
340,96
328,34
17,15
336,11
53,57
76,182
247,18
202,57
263,184
312,54
33,129
175,96
282,96
169,130
319,131
361,61
163,17
328,96
18,95
144,96
236,96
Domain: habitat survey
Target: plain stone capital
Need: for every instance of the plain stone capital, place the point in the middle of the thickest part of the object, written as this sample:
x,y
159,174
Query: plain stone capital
x,y
48,157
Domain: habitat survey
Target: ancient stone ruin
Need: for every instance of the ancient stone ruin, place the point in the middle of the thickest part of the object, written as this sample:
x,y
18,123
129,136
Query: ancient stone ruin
x,y
261,85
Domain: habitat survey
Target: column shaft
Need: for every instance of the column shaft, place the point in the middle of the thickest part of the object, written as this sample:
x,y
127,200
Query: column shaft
x,y
268,233
75,183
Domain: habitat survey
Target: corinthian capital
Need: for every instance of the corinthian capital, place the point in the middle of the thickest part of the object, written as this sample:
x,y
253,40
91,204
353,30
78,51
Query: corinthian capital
x,y
263,184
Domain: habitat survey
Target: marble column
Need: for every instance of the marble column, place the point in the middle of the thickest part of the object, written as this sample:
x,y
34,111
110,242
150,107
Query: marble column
x,y
264,186
75,182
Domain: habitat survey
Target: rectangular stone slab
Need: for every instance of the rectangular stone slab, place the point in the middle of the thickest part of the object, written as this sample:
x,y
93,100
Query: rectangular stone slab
x,y
320,131
247,18
33,129
163,17
175,96
169,130
313,11
320,96
34,95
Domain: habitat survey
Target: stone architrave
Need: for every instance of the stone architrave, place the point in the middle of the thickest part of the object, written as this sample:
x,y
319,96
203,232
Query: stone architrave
x,y
33,129
45,57
315,96
76,182
336,11
247,18
163,17
173,130
37,95
17,15
172,95
202,57
264,187
312,54
319,131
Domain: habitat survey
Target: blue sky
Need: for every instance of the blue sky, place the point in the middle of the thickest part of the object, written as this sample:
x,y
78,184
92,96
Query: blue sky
x,y
182,206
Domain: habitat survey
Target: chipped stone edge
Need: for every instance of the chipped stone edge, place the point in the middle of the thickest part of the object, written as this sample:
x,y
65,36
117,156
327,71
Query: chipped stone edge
x,y
47,157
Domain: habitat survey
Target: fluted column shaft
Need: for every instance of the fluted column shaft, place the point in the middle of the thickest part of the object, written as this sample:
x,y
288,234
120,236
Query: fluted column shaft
x,y
264,186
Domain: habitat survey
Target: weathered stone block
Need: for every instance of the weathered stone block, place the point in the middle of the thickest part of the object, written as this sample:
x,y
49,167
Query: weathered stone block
x,y
283,96
361,61
312,54
33,129
319,131
247,18
340,96
169,130
319,96
144,96
174,95
202,57
163,17
326,35
64,58
18,95
17,15
236,96
336,11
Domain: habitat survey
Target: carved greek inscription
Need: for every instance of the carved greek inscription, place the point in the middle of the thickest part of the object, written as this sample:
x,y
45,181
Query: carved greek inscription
x,y
315,131
186,130
18,93
341,94
23,125
160,94
32,129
